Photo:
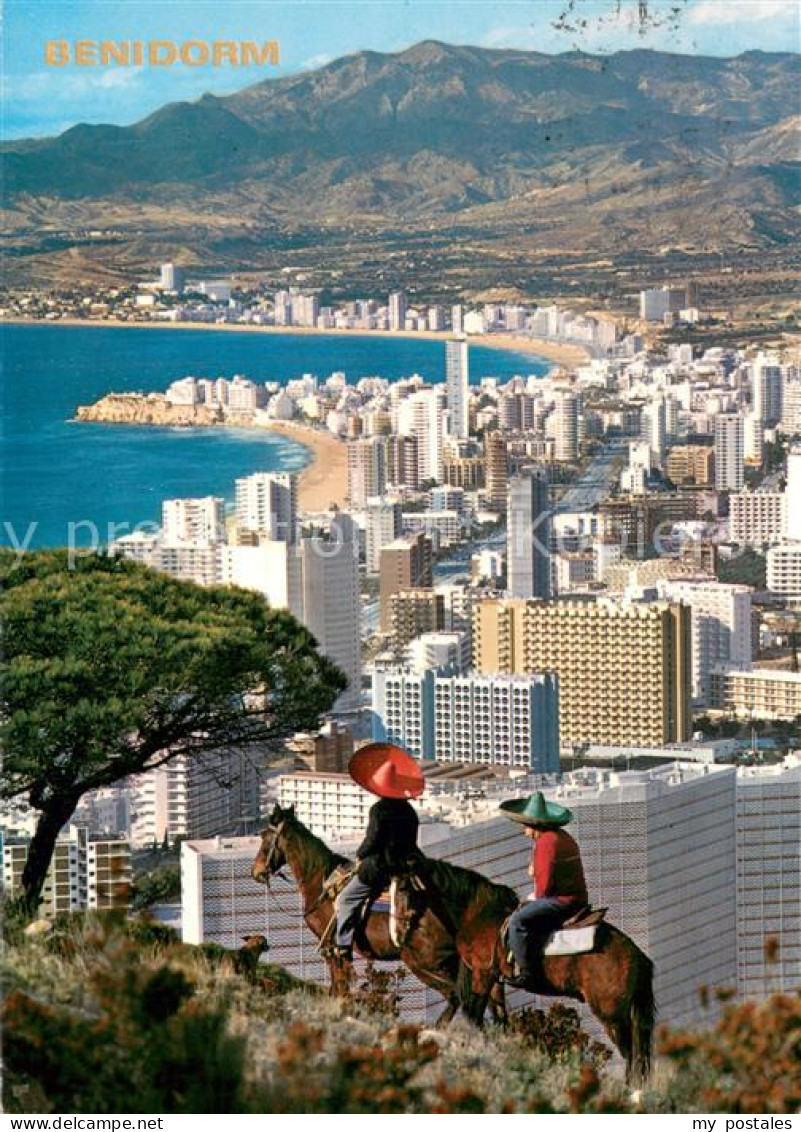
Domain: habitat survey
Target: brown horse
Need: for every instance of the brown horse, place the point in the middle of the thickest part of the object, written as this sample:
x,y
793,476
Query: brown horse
x,y
433,958
615,979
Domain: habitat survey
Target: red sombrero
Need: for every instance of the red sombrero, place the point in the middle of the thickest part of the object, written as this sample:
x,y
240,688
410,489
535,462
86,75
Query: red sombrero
x,y
387,770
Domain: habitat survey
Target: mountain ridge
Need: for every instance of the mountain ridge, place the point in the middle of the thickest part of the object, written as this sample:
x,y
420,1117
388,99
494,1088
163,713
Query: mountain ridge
x,y
631,146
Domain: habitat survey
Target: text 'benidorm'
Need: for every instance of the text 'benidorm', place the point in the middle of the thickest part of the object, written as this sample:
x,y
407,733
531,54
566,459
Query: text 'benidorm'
x,y
161,53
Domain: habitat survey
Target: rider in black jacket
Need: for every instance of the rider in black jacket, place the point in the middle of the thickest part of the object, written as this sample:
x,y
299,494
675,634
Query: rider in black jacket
x,y
391,836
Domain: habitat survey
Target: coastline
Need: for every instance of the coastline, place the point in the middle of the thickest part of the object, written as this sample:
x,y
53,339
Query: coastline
x,y
560,353
324,480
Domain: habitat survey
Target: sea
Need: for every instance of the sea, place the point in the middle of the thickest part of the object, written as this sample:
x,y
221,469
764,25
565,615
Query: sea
x,y
65,483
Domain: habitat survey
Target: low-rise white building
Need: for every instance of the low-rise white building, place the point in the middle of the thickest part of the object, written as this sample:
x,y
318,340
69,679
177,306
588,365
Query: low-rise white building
x,y
757,518
85,871
784,569
761,693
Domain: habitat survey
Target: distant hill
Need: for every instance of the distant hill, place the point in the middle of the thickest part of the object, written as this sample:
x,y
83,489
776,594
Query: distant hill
x,y
569,151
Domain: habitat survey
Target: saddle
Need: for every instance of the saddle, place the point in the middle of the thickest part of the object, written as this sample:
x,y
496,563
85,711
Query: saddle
x,y
575,937
332,886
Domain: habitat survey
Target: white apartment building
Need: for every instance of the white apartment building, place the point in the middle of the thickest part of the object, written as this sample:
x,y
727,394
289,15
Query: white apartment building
x,y
766,389
195,796
784,569
367,469
422,415
769,878
457,382
271,569
720,627
758,693
267,502
439,650
444,528
331,805
491,720
382,525
793,495
566,426
330,605
729,452
199,521
757,518
85,872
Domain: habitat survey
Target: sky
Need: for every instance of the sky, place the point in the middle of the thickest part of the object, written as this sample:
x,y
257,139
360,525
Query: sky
x,y
40,100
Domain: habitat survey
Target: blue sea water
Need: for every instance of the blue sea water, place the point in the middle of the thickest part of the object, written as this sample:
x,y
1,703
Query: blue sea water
x,y
55,472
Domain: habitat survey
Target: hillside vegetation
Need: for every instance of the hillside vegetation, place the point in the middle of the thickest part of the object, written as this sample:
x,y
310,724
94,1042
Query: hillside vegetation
x,y
118,1016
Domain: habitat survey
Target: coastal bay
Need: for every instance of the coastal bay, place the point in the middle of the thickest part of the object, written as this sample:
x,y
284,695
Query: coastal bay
x,y
62,480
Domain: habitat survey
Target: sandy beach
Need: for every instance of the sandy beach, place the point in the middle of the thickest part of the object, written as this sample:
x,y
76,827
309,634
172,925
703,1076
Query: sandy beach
x,y
561,353
324,480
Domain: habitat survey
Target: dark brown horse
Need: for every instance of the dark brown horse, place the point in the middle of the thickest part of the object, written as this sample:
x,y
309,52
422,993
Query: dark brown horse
x,y
433,957
615,979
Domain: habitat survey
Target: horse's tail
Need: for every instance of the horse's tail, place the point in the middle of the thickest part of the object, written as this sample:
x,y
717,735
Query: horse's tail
x,y
642,1012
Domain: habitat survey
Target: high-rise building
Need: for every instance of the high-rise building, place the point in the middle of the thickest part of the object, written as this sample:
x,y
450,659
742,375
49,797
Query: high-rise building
x,y
405,564
403,468
769,879
766,389
566,426
496,460
200,521
367,469
499,720
85,871
383,524
720,627
267,502
457,381
793,495
624,668
172,278
654,428
657,302
330,604
195,796
528,536
729,452
422,416
397,311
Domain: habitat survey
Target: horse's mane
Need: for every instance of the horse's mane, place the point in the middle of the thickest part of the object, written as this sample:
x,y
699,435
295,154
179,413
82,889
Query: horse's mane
x,y
315,842
461,887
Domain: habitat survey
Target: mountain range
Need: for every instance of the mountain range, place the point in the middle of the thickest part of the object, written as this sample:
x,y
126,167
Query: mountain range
x,y
377,161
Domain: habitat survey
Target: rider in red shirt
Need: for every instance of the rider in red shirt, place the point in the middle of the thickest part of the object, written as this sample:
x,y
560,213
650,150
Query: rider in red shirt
x,y
559,885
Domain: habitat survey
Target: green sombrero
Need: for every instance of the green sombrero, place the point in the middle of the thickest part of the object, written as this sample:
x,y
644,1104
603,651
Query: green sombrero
x,y
534,810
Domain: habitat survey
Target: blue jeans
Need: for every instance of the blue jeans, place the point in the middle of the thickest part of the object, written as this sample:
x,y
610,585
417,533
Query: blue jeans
x,y
535,919
348,908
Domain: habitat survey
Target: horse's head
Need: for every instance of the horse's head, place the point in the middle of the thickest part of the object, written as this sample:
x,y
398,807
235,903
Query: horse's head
x,y
408,905
271,856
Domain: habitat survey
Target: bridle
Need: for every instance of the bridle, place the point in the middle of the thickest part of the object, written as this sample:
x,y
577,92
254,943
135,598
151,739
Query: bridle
x,y
270,869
